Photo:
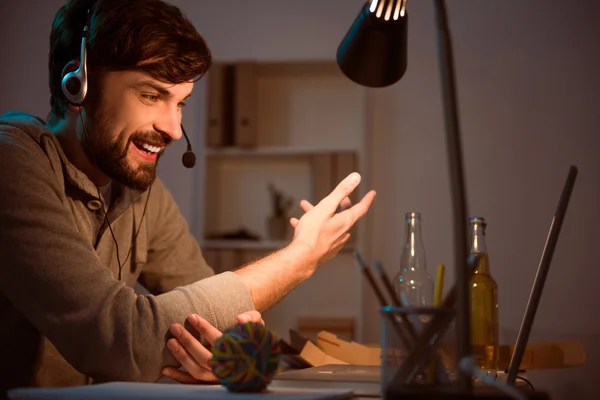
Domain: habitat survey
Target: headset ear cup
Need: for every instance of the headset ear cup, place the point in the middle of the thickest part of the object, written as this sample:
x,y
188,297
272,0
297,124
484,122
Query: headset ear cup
x,y
74,84
74,87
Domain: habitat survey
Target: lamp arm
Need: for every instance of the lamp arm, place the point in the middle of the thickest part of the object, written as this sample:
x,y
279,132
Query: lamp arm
x,y
457,188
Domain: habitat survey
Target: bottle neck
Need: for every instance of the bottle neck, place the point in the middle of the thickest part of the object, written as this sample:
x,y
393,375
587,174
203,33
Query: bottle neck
x,y
478,245
413,247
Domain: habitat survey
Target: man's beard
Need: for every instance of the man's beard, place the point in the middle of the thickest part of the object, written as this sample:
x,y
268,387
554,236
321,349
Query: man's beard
x,y
111,156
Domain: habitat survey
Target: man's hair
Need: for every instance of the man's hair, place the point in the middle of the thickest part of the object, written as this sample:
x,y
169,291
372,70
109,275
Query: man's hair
x,y
143,35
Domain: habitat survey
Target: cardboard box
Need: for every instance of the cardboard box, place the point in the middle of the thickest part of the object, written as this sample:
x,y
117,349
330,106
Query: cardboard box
x,y
349,352
330,349
546,355
317,357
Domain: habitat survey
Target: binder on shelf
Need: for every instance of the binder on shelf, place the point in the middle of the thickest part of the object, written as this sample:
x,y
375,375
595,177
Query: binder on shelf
x,y
219,129
245,108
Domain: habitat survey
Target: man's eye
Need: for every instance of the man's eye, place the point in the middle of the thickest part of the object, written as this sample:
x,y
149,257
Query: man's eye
x,y
151,97
182,104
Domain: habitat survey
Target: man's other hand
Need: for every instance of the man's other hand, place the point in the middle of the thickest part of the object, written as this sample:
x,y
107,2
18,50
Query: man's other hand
x,y
192,355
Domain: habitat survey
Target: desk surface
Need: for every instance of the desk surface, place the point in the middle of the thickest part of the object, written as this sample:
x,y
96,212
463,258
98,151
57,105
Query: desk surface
x,y
152,391
301,386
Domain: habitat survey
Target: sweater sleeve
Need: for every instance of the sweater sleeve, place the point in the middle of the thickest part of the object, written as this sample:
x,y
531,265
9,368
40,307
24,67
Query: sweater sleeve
x,y
51,274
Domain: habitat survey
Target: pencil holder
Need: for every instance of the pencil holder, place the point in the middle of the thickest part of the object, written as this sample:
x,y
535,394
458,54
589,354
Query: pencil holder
x,y
418,349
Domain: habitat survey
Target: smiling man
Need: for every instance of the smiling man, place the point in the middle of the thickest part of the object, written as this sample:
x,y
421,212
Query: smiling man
x,y
83,216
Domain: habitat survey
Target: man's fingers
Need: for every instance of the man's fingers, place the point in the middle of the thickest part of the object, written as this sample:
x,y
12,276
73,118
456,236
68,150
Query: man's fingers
x,y
337,249
250,316
204,328
359,209
188,350
345,204
306,205
294,222
342,240
195,366
345,238
342,190
178,375
185,377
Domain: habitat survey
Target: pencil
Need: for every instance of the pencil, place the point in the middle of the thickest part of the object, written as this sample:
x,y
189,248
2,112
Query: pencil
x,y
396,300
439,286
437,301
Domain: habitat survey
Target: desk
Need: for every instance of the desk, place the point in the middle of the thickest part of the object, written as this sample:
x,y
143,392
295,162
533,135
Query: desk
x,y
170,391
363,380
364,385
361,393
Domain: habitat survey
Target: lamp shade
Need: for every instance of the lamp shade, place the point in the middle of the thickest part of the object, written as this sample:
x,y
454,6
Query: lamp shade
x,y
373,51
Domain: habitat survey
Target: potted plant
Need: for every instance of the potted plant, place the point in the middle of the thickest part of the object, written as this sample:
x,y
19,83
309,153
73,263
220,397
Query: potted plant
x,y
278,221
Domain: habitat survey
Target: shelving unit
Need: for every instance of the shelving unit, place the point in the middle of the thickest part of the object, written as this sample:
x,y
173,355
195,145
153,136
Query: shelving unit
x,y
296,125
272,151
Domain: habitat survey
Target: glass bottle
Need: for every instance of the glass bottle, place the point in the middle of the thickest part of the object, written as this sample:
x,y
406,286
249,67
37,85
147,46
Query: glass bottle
x,y
484,302
413,282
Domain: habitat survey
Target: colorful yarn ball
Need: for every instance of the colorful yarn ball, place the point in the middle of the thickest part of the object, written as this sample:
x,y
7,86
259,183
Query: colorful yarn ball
x,y
246,357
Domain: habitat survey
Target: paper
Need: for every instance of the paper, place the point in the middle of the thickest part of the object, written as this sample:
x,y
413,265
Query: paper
x,y
148,391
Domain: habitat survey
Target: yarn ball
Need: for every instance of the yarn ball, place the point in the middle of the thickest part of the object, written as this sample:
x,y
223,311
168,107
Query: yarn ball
x,y
246,357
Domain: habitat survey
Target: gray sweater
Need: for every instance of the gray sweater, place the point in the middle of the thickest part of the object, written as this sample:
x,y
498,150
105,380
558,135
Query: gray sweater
x,y
65,318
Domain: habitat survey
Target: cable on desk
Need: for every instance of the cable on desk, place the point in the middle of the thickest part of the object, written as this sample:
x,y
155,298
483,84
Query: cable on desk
x,y
527,382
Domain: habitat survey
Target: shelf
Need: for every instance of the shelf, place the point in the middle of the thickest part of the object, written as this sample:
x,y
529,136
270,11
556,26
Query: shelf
x,y
272,151
301,126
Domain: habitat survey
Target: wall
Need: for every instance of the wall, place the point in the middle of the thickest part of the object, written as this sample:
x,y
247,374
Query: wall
x,y
529,101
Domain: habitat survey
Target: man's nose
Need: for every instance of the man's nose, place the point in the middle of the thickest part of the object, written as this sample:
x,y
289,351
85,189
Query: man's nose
x,y
169,124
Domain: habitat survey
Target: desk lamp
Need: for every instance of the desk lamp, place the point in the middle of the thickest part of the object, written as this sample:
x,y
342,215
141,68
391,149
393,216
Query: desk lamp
x,y
373,54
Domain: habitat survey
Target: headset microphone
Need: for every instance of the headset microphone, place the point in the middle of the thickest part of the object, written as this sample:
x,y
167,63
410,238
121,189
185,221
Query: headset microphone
x,y
189,158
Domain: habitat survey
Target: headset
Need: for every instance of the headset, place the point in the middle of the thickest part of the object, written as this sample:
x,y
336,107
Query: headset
x,y
74,86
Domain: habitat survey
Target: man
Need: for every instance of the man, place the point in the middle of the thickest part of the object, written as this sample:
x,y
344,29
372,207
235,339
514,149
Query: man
x,y
83,216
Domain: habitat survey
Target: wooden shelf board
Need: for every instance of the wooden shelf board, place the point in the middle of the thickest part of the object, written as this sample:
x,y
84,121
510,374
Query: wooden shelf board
x,y
272,151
